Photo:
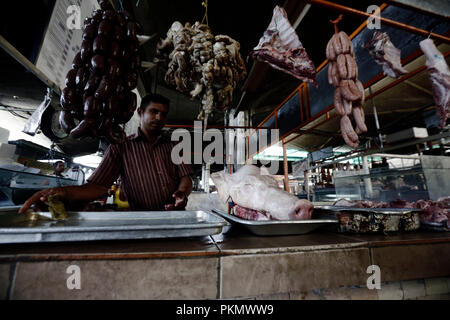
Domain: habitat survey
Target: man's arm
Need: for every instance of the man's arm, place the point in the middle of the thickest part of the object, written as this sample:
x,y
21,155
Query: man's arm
x,y
87,192
186,185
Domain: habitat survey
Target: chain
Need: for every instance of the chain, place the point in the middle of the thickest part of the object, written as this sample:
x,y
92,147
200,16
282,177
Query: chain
x,y
205,17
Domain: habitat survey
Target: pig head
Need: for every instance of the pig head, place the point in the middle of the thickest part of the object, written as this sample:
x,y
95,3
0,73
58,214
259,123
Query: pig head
x,y
248,188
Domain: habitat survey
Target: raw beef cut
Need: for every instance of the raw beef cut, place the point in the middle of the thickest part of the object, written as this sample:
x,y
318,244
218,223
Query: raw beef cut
x,y
386,54
439,77
250,189
281,48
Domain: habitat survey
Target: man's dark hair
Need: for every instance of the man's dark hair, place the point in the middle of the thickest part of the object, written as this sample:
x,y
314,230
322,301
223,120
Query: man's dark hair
x,y
156,98
55,164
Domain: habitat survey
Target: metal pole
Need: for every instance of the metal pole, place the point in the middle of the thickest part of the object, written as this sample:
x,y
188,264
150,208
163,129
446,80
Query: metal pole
x,y
375,114
367,181
286,168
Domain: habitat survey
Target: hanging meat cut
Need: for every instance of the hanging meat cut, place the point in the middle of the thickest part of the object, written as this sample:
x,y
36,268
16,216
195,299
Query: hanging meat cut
x,y
386,54
258,196
281,48
440,79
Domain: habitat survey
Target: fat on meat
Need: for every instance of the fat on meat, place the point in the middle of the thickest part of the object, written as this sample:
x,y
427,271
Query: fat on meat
x,y
440,78
386,54
250,189
281,48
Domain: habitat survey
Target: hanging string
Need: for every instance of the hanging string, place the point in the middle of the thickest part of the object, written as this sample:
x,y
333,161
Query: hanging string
x,y
205,17
335,23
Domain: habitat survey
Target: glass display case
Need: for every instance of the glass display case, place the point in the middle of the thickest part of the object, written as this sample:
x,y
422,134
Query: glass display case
x,y
17,186
429,179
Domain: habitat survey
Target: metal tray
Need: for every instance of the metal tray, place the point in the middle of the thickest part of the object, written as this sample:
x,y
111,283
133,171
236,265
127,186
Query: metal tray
x,y
393,211
434,226
278,227
373,220
88,226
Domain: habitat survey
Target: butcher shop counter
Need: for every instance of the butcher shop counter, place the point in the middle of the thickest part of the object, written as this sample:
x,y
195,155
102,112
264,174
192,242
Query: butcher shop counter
x,y
225,266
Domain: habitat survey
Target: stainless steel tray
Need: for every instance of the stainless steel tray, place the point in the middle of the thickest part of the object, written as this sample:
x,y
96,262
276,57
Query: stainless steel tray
x,y
434,226
88,226
278,227
393,211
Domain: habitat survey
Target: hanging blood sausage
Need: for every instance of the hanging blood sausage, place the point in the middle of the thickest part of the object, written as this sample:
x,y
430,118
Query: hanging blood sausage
x,y
98,88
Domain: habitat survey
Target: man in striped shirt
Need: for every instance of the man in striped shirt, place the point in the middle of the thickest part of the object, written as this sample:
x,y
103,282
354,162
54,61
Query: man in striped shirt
x,y
150,179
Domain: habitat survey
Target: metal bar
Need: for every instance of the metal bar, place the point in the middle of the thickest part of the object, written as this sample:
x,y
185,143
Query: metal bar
x,y
301,16
3,107
391,155
389,22
286,168
375,115
13,52
301,103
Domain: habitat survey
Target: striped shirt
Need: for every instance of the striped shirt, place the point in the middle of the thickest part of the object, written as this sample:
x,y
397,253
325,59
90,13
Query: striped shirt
x,y
149,177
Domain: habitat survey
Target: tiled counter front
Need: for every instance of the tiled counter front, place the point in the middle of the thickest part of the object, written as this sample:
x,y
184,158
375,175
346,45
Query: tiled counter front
x,y
313,266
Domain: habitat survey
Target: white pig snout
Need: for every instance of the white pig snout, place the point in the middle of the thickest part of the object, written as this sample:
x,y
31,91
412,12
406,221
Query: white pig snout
x,y
303,210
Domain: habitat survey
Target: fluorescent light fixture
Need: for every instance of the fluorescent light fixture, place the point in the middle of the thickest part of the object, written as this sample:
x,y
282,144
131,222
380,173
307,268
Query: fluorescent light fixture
x,y
89,160
276,153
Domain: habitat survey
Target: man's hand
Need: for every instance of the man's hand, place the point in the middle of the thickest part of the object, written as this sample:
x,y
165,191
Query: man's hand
x,y
40,197
180,201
